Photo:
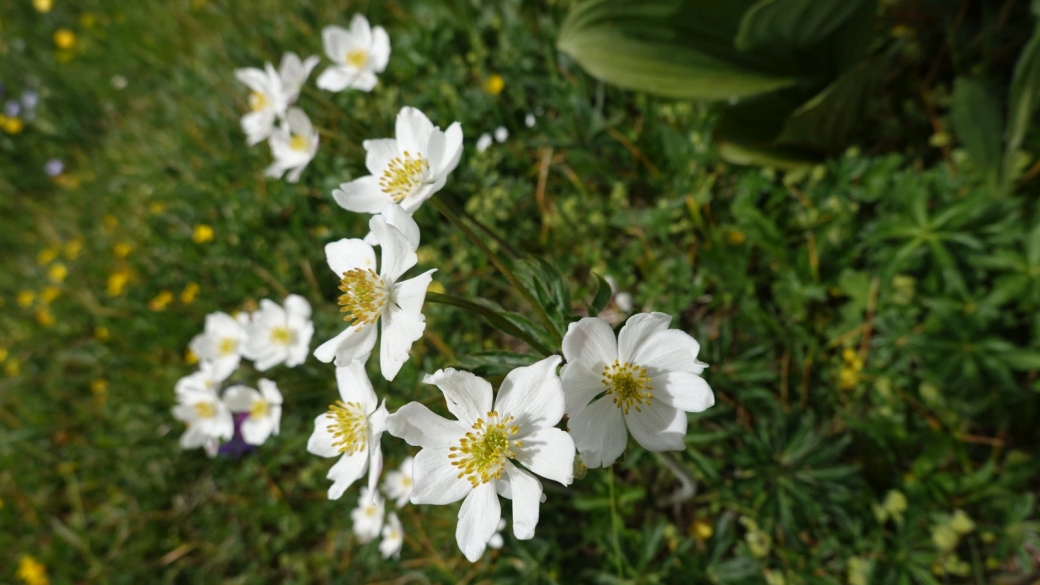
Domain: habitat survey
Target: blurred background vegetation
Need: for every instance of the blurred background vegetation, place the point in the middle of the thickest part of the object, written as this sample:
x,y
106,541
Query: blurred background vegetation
x,y
867,302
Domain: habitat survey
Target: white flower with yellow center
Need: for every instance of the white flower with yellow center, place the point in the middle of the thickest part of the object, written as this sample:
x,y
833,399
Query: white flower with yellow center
x,y
208,419
280,334
351,430
368,516
646,380
207,379
406,170
393,537
398,483
474,457
357,55
222,341
293,145
368,296
272,93
264,408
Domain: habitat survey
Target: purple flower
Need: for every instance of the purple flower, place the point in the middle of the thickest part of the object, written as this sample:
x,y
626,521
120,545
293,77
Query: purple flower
x,y
12,108
237,446
54,167
30,99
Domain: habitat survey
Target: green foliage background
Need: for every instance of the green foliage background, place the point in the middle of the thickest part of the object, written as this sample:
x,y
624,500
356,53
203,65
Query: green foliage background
x,y
871,324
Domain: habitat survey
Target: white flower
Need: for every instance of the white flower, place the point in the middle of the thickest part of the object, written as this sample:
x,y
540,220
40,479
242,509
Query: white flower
x,y
264,408
529,120
368,296
398,483
368,516
273,92
207,379
649,378
472,457
222,340
501,133
495,541
484,142
352,427
206,416
279,334
293,145
393,537
407,169
357,55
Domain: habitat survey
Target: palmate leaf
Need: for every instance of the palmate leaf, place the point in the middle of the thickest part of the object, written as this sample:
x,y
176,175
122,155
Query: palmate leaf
x,y
673,48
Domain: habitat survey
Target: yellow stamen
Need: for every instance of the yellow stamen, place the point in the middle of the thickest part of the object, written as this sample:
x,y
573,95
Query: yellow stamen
x,y
628,384
281,336
259,409
205,410
349,426
482,453
364,296
299,143
404,176
258,101
227,346
357,57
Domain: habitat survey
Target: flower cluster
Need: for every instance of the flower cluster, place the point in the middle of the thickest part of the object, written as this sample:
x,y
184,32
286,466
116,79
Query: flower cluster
x,y
239,415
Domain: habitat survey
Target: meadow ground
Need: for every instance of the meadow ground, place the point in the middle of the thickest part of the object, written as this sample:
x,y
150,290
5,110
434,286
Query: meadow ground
x,y
870,323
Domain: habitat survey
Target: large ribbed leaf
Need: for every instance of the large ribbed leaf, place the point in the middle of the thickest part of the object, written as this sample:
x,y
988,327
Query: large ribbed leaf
x,y
745,134
1023,98
792,23
674,48
978,120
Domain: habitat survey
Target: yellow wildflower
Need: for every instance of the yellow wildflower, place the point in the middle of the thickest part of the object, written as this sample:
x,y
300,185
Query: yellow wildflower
x,y
12,367
202,234
494,84
848,354
73,248
13,125
117,282
45,317
961,522
64,38
122,250
160,301
735,237
944,537
31,571
190,358
25,298
189,292
46,256
58,272
49,293
43,5
848,378
101,333
701,529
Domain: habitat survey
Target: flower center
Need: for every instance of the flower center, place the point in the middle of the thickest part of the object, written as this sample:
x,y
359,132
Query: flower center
x,y
258,101
482,453
404,176
299,143
227,346
281,335
205,410
259,409
628,384
364,296
357,57
349,426
406,482
370,511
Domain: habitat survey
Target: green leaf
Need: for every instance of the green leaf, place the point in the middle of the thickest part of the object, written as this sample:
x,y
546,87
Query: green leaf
x,y
792,23
548,287
602,297
673,48
977,119
495,362
1023,98
1022,359
745,133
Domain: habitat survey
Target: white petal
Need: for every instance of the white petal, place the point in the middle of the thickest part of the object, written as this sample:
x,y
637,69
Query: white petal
x,y
413,130
361,195
193,438
670,350
256,430
421,427
399,218
683,390
400,330
269,390
255,79
590,342
468,396
580,385
321,440
478,519
375,461
360,32
397,253
410,294
550,453
352,344
658,427
637,331
346,471
297,306
336,40
299,123
335,79
378,154
364,81
526,493
347,254
354,386
436,480
599,433
380,53
445,149
240,398
532,395
258,126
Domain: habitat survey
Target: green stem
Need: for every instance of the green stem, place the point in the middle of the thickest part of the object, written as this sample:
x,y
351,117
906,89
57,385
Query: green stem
x,y
490,232
492,317
614,523
499,264
689,485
